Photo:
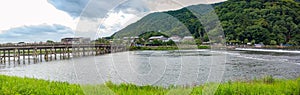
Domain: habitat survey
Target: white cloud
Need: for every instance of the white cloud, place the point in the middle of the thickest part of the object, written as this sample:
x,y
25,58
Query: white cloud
x,y
17,13
114,22
132,10
20,13
36,33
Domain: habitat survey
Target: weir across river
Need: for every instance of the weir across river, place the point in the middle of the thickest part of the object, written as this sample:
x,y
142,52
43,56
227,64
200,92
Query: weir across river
x,y
47,52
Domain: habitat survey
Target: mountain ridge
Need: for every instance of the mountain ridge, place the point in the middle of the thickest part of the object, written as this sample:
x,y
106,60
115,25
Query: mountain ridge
x,y
267,21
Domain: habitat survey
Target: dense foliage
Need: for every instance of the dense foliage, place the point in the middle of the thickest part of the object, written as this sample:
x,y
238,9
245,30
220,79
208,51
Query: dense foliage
x,y
271,22
267,21
28,86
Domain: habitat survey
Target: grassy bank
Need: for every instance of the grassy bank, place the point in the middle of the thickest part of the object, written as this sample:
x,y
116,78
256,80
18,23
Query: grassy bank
x,y
268,85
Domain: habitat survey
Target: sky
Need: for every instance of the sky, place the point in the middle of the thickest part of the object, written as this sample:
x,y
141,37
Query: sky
x,y
42,20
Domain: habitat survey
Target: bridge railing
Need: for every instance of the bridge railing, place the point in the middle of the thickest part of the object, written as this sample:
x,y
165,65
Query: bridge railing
x,y
48,44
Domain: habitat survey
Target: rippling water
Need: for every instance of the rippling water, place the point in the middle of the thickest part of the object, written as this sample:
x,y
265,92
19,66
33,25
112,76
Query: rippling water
x,y
185,67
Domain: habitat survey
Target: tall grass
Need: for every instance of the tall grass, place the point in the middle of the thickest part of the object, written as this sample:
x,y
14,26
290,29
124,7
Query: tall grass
x,y
29,86
25,86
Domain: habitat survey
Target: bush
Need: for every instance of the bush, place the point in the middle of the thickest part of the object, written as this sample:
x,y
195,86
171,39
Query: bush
x,y
273,42
203,47
269,79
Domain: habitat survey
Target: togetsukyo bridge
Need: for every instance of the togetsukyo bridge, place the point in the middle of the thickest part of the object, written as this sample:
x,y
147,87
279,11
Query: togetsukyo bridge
x,y
48,52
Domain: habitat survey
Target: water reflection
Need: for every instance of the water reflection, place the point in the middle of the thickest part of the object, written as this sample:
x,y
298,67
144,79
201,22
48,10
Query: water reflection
x,y
188,67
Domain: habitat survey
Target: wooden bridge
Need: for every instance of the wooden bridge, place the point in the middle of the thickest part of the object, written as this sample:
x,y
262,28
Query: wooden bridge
x,y
47,52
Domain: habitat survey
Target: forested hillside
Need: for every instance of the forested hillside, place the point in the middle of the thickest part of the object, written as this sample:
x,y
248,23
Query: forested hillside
x,y
267,21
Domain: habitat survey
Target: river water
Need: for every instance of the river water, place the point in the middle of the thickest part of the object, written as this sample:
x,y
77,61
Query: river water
x,y
178,67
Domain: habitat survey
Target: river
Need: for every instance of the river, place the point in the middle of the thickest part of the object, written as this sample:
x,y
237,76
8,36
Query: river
x,y
178,67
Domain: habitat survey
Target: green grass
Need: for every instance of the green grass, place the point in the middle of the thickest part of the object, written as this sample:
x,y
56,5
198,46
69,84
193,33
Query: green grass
x,y
25,86
204,47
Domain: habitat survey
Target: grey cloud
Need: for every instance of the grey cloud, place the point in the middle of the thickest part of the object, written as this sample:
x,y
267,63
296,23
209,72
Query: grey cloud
x,y
133,7
35,33
85,8
99,8
72,7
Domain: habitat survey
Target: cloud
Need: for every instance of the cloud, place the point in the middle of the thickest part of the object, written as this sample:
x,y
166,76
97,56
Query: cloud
x,y
85,8
109,20
106,17
114,22
36,33
99,8
72,7
133,7
32,12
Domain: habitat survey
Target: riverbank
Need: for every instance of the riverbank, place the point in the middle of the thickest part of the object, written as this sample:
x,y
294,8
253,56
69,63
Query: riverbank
x,y
266,47
168,47
268,50
15,85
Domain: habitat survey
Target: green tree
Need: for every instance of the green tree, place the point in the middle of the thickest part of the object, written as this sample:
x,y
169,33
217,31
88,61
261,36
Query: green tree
x,y
157,42
253,42
205,38
198,41
246,41
273,42
49,41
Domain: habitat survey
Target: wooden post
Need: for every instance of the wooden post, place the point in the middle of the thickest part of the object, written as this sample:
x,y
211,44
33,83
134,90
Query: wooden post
x,y
46,55
55,57
63,53
101,50
23,53
68,52
41,55
97,50
14,55
1,57
74,52
28,53
87,51
93,49
9,56
34,55
78,51
60,53
90,50
19,54
83,51
4,56
50,53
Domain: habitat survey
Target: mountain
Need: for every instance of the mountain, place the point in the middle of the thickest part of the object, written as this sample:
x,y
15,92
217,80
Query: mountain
x,y
267,21
178,22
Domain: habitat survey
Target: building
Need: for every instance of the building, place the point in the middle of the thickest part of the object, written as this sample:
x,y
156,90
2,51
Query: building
x,y
162,38
78,40
188,38
175,38
130,39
